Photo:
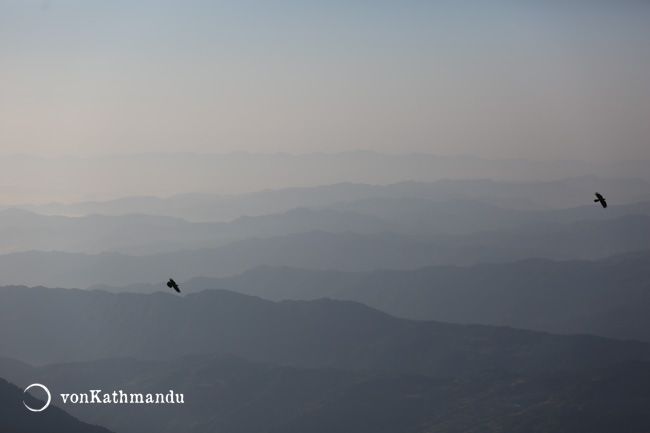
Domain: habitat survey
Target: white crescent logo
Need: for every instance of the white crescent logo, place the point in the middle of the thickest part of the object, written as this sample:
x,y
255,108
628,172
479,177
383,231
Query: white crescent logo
x,y
49,397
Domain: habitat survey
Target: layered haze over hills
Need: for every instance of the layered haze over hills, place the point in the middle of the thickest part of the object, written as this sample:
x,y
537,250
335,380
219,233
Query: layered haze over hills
x,y
70,180
352,299
348,227
462,257
380,216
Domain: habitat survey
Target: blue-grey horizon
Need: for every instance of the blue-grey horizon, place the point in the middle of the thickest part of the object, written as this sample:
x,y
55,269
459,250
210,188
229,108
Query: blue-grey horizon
x,y
538,80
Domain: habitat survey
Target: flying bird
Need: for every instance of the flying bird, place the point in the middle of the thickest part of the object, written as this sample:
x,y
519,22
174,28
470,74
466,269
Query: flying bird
x,y
171,283
601,199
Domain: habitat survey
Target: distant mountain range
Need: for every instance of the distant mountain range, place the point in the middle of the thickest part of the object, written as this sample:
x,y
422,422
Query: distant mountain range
x,y
108,177
343,251
227,393
554,194
143,234
352,292
607,297
59,325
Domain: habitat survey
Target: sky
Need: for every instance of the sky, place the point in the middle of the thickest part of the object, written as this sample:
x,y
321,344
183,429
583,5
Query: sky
x,y
539,79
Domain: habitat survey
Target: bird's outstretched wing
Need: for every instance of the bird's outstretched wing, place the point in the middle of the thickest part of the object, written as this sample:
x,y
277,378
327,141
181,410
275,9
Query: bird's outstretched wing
x,y
171,283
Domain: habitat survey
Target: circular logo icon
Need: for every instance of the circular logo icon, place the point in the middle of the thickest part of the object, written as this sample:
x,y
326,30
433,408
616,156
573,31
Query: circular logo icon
x,y
49,397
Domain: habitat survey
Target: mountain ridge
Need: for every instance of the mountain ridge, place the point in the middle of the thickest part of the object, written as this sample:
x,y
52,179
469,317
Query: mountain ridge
x,y
325,333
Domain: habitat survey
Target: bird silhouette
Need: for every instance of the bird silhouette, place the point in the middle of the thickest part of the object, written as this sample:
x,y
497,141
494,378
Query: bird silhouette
x,y
171,283
601,199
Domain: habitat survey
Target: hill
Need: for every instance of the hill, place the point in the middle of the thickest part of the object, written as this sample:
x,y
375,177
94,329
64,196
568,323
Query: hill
x,y
226,393
606,297
140,234
75,325
344,251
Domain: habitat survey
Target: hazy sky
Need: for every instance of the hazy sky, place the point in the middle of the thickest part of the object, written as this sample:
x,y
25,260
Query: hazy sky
x,y
528,78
